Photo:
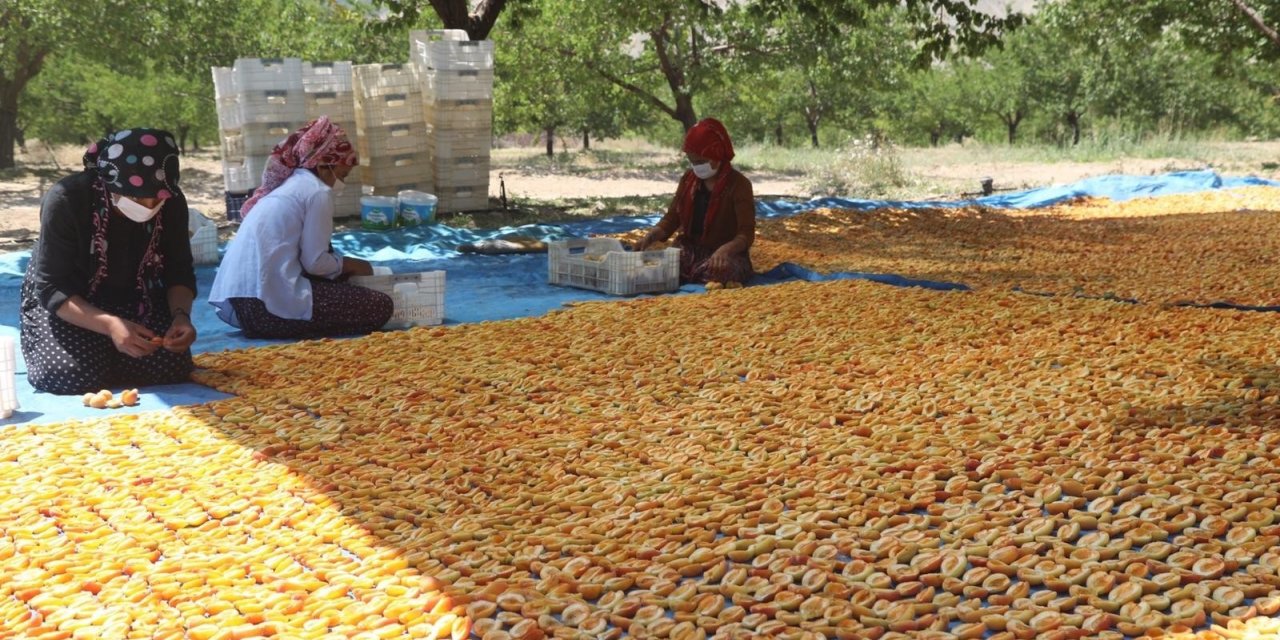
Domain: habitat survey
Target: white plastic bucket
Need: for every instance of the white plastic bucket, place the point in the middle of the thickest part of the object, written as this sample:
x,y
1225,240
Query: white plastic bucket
x,y
377,212
417,208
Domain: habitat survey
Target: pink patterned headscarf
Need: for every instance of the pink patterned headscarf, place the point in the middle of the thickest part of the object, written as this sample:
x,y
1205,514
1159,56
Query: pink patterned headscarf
x,y
318,143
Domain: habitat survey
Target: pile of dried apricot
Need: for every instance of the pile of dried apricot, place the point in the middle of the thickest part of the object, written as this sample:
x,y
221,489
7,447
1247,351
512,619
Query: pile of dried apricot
x,y
807,460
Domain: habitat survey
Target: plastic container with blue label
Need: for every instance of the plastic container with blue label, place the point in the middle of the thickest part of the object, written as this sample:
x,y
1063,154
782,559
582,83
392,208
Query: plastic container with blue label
x,y
417,208
377,212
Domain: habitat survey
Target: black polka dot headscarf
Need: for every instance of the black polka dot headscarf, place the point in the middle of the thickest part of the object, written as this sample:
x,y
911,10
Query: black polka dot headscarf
x,y
138,163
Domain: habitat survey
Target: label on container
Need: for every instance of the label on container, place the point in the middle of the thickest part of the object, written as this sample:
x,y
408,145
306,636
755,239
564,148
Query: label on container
x,y
377,217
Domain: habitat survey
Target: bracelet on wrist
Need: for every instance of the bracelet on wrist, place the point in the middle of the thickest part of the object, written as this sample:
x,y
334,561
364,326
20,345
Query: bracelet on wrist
x,y
184,312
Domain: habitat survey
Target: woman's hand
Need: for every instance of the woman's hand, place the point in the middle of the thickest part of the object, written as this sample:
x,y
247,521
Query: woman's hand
x,y
647,241
718,260
132,339
355,267
181,334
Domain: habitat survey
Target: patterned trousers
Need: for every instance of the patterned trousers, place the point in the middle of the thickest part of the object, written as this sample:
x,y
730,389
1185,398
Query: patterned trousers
x,y
65,359
694,267
337,309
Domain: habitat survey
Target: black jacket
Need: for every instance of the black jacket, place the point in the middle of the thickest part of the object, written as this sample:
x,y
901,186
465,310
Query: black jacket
x,y
63,263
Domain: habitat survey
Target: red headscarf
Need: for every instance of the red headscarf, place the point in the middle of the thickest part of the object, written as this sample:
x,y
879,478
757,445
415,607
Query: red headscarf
x,y
318,143
710,140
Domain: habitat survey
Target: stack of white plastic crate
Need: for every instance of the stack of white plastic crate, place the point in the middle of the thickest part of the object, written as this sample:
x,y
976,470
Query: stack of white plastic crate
x,y
330,92
391,134
260,101
457,94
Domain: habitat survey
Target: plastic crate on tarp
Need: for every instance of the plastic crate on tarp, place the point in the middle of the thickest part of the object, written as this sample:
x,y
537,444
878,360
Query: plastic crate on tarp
x,y
204,237
602,264
418,298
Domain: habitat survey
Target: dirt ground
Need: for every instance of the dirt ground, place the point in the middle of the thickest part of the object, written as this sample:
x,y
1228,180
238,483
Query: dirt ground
x,y
39,167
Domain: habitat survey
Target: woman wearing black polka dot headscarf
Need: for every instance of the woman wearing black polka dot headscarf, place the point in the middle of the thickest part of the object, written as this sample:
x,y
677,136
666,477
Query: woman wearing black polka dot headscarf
x,y
107,297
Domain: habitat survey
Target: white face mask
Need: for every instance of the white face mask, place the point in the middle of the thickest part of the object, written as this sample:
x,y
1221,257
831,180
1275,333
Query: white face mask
x,y
338,186
703,171
137,212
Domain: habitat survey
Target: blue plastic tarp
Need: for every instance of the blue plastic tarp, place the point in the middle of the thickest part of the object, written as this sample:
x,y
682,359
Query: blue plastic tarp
x,y
480,287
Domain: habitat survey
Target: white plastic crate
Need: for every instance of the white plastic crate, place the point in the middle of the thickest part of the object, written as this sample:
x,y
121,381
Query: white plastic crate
x,y
339,106
452,199
457,84
238,177
418,297
273,105
229,116
327,77
602,264
392,139
398,169
262,74
244,176
232,144
259,138
459,143
347,205
389,108
225,85
381,79
393,190
459,114
8,377
461,171
449,49
204,238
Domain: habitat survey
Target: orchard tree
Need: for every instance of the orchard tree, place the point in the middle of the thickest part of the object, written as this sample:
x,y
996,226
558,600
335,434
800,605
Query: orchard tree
x,y
34,32
996,85
935,102
825,73
539,90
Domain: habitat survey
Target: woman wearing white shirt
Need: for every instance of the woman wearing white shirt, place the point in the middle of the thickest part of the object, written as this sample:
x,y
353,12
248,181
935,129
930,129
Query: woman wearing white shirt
x,y
279,276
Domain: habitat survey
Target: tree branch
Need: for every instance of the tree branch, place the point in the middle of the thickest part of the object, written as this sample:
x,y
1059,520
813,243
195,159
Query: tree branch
x,y
1258,22
639,92
673,73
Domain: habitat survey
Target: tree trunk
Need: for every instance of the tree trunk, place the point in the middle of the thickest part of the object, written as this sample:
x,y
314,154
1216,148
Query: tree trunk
x,y
1012,121
586,139
684,111
28,65
1073,120
674,74
935,137
813,114
195,140
8,131
455,14
777,135
183,130
551,142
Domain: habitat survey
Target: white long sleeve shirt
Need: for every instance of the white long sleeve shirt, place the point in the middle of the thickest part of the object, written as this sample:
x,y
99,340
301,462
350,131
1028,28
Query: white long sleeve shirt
x,y
285,237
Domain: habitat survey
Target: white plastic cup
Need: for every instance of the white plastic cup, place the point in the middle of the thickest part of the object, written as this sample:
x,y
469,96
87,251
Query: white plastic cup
x,y
8,377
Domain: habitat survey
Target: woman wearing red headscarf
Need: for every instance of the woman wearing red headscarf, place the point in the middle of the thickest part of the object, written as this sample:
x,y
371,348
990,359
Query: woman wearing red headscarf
x,y
279,277
714,211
